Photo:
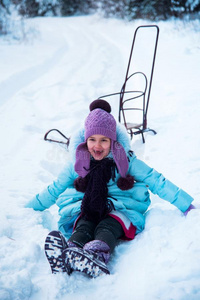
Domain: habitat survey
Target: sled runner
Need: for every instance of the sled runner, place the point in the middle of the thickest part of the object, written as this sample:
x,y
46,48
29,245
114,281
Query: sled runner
x,y
135,92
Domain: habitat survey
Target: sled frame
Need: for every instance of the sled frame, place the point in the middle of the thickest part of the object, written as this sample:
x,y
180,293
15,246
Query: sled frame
x,y
46,138
134,129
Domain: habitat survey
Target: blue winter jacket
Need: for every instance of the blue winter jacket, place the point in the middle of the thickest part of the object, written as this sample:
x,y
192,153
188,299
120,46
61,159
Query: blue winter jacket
x,y
133,203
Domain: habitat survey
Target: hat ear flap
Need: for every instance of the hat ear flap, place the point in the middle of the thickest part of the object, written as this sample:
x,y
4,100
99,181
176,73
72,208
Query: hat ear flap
x,y
120,157
82,163
126,181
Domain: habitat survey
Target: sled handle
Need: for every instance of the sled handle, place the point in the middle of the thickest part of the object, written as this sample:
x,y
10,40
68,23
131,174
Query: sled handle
x,y
56,141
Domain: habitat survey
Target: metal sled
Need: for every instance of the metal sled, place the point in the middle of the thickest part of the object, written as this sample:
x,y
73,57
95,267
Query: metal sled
x,y
65,140
133,97
137,99
135,92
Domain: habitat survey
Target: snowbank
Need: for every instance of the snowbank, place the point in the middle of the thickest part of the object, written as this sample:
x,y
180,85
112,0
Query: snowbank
x,y
49,83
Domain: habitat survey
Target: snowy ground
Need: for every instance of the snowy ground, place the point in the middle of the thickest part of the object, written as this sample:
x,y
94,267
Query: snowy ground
x,y
48,83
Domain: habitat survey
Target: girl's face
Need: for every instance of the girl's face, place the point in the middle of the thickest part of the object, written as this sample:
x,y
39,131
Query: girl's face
x,y
98,146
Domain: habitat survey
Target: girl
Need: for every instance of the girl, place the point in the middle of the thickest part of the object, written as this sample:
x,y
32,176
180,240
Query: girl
x,y
102,196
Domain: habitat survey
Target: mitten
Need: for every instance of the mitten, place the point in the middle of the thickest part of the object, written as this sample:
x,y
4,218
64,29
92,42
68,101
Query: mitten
x,y
189,208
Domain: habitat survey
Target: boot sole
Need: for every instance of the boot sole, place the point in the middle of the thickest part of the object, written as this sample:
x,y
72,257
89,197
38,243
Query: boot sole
x,y
81,260
54,245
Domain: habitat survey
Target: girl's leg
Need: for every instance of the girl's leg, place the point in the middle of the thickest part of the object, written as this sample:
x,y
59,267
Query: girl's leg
x,y
97,245
84,260
109,231
106,235
83,233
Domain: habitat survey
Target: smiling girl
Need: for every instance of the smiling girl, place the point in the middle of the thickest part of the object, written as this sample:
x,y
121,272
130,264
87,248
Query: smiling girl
x,y
98,146
102,196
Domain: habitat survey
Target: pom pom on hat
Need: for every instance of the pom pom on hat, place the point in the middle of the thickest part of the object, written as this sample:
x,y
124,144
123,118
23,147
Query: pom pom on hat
x,y
99,103
125,183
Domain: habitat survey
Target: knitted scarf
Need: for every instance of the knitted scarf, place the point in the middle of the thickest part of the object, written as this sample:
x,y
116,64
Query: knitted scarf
x,y
95,205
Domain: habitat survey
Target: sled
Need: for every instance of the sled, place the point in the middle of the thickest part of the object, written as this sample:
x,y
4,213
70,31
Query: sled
x,y
143,95
136,89
65,140
134,95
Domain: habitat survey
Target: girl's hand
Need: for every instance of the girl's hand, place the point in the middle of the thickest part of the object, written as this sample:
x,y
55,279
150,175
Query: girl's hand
x,y
189,208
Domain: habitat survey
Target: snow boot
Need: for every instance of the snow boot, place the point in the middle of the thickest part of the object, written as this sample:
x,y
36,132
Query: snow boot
x,y
100,248
55,243
78,259
89,260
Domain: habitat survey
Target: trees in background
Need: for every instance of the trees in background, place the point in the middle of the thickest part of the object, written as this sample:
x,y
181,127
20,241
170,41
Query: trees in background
x,y
162,9
125,9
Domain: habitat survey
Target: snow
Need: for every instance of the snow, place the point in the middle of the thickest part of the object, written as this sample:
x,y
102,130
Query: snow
x,y
48,82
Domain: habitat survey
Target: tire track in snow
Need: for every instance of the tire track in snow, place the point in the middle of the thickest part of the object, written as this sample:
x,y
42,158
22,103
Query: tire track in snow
x,y
103,67
22,79
91,66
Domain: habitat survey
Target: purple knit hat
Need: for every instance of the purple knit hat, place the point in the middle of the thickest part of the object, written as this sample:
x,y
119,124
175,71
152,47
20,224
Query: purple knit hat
x,y
100,121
